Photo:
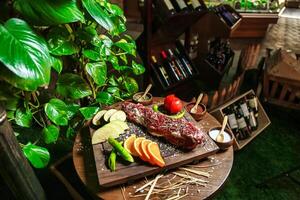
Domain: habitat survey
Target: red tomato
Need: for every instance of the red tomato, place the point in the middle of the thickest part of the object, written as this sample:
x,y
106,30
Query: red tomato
x,y
176,106
173,104
168,100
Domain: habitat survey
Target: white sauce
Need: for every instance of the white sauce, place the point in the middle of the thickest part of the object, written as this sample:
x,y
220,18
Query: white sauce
x,y
214,133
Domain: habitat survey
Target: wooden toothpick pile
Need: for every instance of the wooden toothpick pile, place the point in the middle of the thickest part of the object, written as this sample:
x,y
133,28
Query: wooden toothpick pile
x,y
175,185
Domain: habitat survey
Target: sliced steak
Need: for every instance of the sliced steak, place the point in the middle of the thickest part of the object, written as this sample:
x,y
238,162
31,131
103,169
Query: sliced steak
x,y
179,132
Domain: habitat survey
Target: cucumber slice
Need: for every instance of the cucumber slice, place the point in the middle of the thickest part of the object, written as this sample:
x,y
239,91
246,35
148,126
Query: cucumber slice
x,y
108,114
103,133
97,118
121,124
119,115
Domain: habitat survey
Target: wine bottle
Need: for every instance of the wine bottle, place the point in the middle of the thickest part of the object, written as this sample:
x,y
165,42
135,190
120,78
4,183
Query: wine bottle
x,y
178,63
185,62
243,128
170,66
162,72
165,8
179,5
227,16
195,4
232,121
252,101
252,120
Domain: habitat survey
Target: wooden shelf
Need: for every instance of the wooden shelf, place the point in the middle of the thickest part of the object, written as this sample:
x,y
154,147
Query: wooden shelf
x,y
263,120
174,26
254,25
208,73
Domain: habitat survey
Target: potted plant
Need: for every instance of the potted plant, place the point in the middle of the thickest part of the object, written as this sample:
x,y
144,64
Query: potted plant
x,y
60,62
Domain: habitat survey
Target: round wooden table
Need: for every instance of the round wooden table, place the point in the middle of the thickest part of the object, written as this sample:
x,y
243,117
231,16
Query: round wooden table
x,y
218,165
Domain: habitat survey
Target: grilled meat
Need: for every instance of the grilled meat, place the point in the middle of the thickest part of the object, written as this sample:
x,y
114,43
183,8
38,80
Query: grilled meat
x,y
179,132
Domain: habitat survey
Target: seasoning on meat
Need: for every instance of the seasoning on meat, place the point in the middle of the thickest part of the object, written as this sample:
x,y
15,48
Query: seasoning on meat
x,y
179,132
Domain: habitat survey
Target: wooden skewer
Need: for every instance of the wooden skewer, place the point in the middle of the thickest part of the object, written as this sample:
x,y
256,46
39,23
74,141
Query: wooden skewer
x,y
152,186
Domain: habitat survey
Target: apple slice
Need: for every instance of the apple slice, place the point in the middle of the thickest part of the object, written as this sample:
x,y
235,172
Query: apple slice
x,y
103,133
108,114
119,115
97,118
121,124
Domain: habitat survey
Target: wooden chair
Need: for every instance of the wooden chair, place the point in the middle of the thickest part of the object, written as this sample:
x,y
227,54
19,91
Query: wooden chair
x,y
282,80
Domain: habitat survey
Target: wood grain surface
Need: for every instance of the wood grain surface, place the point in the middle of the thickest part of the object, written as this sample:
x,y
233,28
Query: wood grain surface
x,y
85,167
139,169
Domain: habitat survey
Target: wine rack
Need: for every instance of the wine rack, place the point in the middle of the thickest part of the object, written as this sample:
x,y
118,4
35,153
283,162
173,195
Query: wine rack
x,y
187,68
162,29
263,119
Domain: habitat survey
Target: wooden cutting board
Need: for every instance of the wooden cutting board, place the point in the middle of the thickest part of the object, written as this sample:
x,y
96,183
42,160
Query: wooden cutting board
x,y
173,156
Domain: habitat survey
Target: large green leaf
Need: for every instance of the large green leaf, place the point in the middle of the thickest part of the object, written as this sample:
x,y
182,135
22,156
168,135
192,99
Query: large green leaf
x,y
58,112
50,134
126,46
137,69
25,54
38,156
59,42
97,71
72,86
49,12
57,64
99,14
105,98
91,54
23,117
131,85
88,112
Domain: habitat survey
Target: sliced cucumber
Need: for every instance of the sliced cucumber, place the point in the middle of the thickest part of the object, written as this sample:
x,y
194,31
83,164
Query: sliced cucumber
x,y
103,133
108,114
121,124
119,115
97,118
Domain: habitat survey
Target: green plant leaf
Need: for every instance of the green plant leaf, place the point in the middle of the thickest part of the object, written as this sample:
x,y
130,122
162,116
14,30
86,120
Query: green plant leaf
x,y
25,54
112,81
50,134
123,57
114,90
127,47
113,60
72,109
120,67
57,111
38,156
72,86
59,42
57,64
137,69
131,85
91,54
88,112
70,132
99,14
97,71
49,12
23,117
105,98
104,44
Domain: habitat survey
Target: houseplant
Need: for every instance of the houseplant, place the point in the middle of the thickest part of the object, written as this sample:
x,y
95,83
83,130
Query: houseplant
x,y
60,62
